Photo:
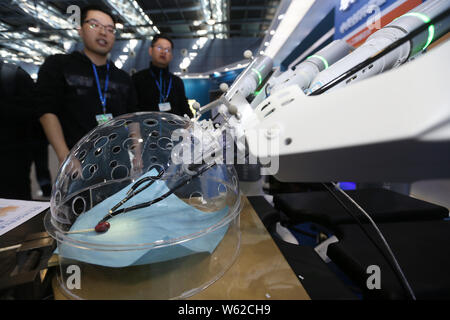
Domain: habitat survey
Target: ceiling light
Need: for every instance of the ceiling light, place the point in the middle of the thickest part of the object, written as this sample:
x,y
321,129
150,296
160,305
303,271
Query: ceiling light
x,y
34,29
55,38
8,55
202,41
202,32
215,10
294,14
119,26
132,12
67,45
133,44
185,64
126,35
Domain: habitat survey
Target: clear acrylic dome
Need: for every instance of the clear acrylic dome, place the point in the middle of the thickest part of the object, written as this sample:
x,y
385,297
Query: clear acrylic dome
x,y
127,175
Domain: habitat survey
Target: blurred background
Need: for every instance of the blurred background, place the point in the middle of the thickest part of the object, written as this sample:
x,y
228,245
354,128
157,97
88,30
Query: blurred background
x,y
210,37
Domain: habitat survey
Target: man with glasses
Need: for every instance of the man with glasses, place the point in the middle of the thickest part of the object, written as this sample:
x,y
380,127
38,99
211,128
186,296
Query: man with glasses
x,y
158,89
80,90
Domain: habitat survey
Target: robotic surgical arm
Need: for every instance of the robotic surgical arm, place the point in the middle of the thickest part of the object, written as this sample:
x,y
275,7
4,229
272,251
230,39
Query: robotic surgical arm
x,y
321,122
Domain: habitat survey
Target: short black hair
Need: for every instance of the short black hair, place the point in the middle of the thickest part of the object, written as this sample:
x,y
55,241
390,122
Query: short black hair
x,y
86,9
161,36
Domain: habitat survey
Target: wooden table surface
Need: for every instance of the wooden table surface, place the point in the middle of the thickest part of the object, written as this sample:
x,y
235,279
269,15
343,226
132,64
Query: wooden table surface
x,y
260,271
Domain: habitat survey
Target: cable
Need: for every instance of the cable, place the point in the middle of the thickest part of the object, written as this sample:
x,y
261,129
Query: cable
x,y
200,169
396,267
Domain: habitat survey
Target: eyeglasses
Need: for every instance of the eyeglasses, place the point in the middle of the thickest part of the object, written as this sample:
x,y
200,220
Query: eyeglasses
x,y
166,50
103,225
95,25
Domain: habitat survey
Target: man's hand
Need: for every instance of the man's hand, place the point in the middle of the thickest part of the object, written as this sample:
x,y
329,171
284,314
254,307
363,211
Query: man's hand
x,y
53,131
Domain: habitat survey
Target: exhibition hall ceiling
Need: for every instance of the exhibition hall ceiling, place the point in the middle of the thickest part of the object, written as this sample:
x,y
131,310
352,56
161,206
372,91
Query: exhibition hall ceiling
x,y
33,29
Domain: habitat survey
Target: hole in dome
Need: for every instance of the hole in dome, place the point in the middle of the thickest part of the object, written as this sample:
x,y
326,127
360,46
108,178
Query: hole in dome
x,y
113,164
116,149
150,122
130,143
119,123
112,136
88,171
100,142
165,143
119,172
94,137
221,188
98,152
75,175
82,155
78,205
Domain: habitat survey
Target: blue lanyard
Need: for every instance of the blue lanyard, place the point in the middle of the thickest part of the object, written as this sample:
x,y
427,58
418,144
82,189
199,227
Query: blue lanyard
x,y
100,94
162,97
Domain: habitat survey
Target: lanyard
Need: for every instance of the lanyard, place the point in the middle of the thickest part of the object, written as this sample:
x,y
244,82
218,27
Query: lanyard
x,y
100,94
162,97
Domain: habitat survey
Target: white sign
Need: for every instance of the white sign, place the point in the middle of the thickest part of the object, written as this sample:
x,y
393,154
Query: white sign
x,y
15,212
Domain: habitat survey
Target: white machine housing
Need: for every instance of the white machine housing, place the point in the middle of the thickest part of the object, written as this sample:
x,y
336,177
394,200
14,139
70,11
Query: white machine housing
x,y
391,127
389,121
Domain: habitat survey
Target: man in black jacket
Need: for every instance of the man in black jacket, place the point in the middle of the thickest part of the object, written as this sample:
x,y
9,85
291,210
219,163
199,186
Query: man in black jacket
x,y
81,90
17,114
158,89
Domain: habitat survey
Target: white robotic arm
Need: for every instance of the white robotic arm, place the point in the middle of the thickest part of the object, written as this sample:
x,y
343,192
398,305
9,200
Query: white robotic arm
x,y
391,127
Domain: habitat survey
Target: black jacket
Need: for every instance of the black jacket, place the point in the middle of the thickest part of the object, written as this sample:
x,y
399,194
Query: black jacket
x,y
17,113
66,87
148,94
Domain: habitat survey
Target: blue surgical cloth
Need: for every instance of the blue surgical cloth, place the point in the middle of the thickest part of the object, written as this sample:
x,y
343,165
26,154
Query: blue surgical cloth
x,y
168,219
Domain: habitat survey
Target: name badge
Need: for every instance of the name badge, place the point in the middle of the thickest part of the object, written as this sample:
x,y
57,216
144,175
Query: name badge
x,y
103,118
164,106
